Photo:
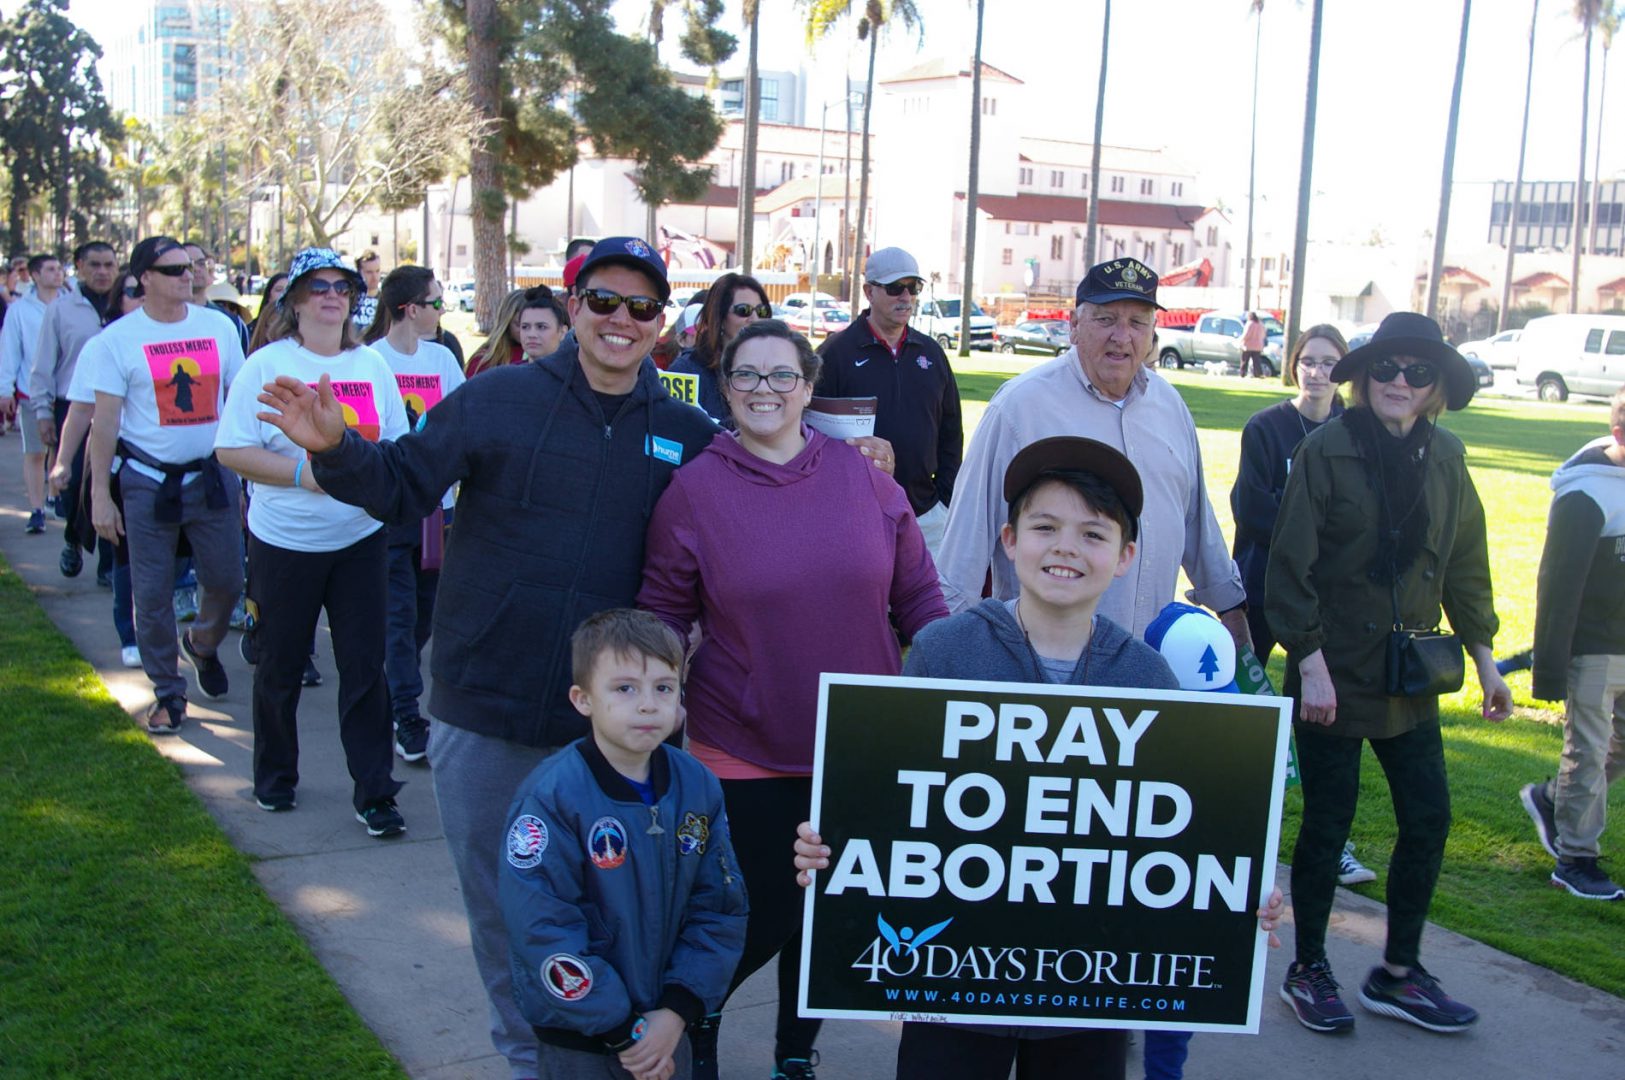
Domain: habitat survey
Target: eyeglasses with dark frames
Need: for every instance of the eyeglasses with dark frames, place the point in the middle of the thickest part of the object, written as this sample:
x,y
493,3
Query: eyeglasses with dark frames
x,y
604,302
745,380
761,311
1418,376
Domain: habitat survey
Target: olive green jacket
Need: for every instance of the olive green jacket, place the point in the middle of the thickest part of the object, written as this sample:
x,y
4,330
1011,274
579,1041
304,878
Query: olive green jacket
x,y
1319,593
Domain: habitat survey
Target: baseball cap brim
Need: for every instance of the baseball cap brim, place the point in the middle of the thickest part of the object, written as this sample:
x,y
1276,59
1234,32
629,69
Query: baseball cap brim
x,y
1075,453
1111,297
631,252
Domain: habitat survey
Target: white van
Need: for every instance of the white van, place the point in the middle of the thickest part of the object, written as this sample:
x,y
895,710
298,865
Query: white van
x,y
1573,354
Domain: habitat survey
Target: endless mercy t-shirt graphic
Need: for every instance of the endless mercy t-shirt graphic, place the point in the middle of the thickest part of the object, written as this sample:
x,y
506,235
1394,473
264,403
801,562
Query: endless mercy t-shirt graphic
x,y
360,409
419,393
185,380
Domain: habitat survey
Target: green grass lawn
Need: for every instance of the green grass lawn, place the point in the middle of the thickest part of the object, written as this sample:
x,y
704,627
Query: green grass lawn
x,y
134,941
1494,885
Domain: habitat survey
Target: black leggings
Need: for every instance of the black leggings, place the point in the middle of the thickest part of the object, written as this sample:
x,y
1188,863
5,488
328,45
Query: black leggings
x,y
950,1052
762,820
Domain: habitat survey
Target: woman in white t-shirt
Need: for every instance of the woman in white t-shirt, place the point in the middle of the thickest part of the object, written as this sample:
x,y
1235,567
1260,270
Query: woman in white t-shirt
x,y
409,306
307,551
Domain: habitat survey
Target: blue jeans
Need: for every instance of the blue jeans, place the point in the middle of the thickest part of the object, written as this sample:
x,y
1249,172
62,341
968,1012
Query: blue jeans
x,y
1165,1053
406,627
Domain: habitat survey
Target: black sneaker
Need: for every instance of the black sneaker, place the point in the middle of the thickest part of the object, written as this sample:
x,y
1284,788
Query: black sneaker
x,y
312,676
166,715
36,522
1585,879
276,804
412,738
1312,992
72,561
382,819
1416,997
1537,802
209,671
248,648
797,1068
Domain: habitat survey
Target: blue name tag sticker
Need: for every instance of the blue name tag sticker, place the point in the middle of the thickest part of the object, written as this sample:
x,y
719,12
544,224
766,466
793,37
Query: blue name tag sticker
x,y
667,450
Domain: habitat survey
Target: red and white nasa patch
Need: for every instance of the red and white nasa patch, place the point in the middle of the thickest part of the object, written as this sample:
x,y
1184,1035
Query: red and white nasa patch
x,y
567,977
527,839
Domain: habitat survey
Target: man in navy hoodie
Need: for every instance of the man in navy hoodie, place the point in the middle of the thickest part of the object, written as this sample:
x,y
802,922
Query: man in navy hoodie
x,y
1580,657
560,461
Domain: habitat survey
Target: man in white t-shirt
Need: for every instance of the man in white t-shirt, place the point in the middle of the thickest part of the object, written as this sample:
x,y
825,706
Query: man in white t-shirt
x,y
160,375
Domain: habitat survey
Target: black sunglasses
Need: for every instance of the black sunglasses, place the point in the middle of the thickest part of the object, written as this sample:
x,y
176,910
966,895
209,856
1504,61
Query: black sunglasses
x,y
438,303
761,311
898,288
1417,375
341,287
175,270
604,302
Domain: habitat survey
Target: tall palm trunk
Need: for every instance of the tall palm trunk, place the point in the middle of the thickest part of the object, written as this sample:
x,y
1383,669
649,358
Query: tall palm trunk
x,y
1300,238
1576,233
1252,159
1509,231
1093,231
863,168
971,183
486,201
1436,271
1596,161
747,176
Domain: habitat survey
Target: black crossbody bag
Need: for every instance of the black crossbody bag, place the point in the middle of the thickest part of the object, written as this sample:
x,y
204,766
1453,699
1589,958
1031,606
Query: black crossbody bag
x,y
1422,663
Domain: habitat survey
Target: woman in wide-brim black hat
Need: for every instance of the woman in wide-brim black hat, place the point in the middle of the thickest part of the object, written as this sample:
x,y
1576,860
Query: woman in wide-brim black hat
x,y
1379,524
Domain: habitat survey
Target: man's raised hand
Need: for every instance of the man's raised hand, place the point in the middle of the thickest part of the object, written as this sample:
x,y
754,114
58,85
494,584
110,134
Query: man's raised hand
x,y
311,417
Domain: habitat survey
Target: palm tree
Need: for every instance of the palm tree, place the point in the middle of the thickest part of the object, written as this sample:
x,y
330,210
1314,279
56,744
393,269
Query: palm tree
x,y
1589,12
877,14
1094,158
1607,23
1257,8
971,182
1300,238
1510,229
747,174
1437,269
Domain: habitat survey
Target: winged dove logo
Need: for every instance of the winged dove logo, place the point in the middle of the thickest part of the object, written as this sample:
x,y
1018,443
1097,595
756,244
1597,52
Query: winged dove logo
x,y
906,940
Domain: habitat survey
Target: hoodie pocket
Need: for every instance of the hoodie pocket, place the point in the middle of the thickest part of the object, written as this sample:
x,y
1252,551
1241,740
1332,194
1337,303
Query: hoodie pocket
x,y
510,653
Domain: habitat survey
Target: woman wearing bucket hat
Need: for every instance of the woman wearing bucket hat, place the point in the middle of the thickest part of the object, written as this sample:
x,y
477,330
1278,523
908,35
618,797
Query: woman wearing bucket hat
x,y
1379,526
308,551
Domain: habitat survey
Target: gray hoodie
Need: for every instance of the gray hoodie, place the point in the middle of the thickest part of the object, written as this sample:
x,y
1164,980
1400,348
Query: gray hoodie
x,y
1581,613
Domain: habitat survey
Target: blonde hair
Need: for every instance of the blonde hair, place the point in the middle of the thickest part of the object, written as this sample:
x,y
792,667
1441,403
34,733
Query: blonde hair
x,y
500,347
285,321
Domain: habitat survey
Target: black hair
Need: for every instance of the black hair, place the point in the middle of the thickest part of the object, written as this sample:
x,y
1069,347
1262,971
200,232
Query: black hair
x,y
1098,495
540,296
811,363
402,286
719,297
80,252
37,261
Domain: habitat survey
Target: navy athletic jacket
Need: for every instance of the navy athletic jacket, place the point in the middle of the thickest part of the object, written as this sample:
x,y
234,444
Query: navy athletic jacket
x,y
550,523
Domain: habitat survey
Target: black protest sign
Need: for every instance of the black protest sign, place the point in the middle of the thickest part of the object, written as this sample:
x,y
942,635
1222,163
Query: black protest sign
x,y
1042,855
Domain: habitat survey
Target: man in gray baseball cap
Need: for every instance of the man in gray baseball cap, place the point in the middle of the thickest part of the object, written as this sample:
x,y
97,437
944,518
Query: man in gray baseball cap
x,y
880,356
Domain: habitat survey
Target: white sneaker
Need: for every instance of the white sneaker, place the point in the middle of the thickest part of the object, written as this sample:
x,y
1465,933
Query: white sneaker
x,y
1350,871
130,656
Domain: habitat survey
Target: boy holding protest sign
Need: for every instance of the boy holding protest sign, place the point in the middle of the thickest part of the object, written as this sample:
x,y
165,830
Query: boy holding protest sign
x,y
1074,505
624,905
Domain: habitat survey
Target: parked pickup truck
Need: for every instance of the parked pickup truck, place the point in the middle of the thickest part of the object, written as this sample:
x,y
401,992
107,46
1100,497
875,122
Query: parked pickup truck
x,y
1216,337
940,319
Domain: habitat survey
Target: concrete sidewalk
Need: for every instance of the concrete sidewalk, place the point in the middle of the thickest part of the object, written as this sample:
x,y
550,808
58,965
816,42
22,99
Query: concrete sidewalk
x,y
386,918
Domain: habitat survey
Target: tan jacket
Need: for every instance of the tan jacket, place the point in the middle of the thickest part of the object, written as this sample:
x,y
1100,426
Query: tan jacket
x,y
1320,595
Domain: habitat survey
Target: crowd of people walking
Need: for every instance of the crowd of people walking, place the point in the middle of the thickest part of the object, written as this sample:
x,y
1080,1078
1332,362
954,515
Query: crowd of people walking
x,y
580,547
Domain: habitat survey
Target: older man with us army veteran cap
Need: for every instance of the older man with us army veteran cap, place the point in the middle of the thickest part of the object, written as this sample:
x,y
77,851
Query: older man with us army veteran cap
x,y
1102,389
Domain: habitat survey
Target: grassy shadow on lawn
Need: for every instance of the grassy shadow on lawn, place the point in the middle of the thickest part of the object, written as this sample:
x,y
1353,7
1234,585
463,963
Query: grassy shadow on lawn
x,y
133,939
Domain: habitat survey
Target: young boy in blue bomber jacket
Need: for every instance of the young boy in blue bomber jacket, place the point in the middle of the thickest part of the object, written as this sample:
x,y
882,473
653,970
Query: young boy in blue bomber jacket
x,y
624,905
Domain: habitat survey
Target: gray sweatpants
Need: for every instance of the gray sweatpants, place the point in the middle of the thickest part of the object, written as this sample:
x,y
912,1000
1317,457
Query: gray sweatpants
x,y
216,537
561,1064
475,778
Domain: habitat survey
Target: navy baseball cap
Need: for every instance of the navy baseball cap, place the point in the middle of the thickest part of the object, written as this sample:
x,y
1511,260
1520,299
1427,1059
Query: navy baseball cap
x,y
628,251
1120,279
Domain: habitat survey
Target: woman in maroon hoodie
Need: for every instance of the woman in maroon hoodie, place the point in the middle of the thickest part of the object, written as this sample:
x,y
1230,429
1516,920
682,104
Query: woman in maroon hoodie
x,y
788,548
